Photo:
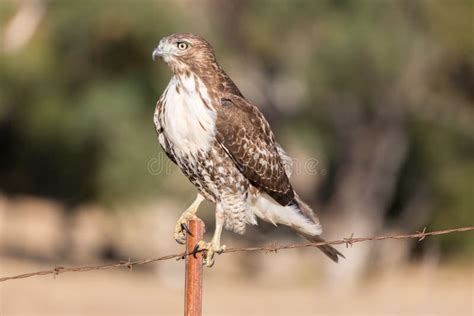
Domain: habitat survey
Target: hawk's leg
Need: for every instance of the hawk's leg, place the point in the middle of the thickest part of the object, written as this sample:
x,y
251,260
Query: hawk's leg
x,y
214,246
181,226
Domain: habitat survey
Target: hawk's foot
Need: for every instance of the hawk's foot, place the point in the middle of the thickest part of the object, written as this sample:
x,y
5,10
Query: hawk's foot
x,y
181,227
210,249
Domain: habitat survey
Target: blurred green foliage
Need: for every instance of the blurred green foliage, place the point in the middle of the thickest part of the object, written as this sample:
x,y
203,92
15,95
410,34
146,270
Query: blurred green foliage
x,y
77,100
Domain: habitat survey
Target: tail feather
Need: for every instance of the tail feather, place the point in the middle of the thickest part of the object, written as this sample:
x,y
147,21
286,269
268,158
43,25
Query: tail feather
x,y
299,216
328,250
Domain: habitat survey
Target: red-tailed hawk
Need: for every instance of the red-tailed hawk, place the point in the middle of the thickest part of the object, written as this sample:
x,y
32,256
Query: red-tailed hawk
x,y
225,147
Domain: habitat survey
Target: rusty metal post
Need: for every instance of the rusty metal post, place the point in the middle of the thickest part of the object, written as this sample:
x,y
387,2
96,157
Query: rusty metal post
x,y
193,281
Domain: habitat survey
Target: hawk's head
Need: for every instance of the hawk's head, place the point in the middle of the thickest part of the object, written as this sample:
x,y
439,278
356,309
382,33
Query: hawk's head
x,y
184,50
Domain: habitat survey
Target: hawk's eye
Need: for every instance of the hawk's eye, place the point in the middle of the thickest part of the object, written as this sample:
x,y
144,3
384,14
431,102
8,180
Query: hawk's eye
x,y
182,45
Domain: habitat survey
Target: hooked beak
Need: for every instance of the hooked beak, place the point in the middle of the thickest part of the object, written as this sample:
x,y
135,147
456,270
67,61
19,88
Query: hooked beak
x,y
158,52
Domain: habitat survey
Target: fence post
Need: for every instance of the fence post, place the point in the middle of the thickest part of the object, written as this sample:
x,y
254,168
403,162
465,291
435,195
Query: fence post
x,y
193,281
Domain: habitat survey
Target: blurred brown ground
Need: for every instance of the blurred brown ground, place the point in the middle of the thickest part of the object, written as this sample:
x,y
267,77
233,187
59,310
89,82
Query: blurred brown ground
x,y
413,290
34,235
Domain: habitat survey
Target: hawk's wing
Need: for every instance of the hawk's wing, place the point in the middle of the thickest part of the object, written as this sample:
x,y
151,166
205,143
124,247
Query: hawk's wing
x,y
245,135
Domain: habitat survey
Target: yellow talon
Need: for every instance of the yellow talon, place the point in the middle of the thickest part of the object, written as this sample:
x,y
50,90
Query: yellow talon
x,y
181,227
210,249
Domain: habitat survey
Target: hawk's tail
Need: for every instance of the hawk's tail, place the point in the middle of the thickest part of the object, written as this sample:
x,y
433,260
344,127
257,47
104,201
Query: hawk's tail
x,y
297,215
328,250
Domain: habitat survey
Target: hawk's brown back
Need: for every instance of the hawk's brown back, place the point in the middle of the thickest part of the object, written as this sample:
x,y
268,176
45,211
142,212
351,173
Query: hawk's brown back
x,y
245,134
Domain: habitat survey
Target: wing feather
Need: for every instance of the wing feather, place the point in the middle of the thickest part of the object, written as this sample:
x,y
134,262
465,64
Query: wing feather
x,y
246,136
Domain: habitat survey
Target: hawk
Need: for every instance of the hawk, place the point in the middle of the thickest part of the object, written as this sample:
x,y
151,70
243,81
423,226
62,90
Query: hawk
x,y
224,145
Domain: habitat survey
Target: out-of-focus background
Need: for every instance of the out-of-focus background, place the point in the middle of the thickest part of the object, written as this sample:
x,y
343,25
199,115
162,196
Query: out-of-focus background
x,y
373,99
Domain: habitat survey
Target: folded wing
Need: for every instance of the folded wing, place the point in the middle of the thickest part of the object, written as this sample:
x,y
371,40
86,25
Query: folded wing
x,y
245,135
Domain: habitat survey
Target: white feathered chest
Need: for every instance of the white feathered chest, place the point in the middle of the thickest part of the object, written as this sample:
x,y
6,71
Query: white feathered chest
x,y
186,116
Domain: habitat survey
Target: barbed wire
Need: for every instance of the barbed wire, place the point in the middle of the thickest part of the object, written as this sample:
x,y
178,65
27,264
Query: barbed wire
x,y
420,235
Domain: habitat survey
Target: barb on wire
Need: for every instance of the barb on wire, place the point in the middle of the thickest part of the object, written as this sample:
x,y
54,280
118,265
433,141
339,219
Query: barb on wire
x,y
420,235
